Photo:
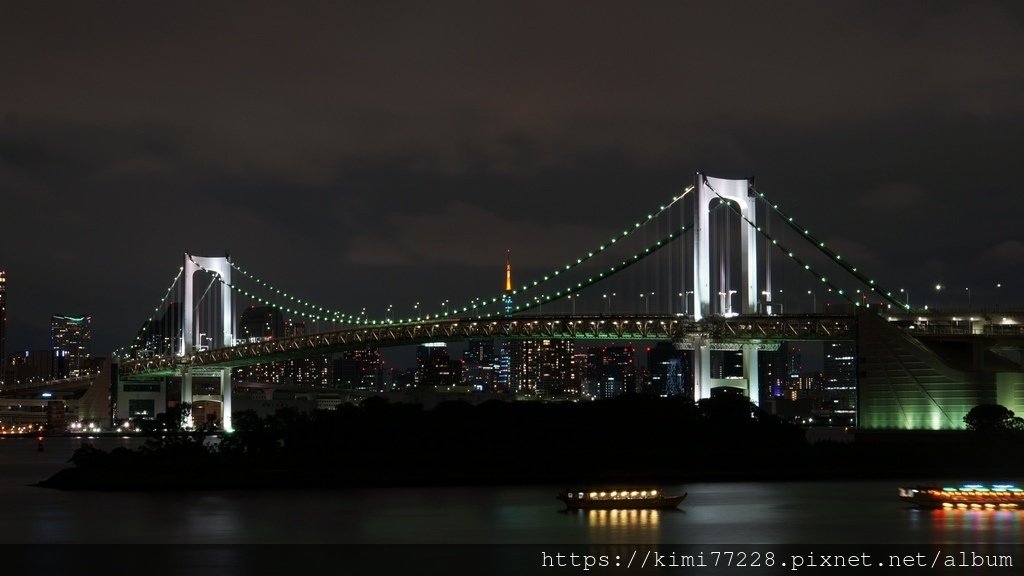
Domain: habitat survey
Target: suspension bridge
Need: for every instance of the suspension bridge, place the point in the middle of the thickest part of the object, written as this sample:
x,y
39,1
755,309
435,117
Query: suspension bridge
x,y
716,240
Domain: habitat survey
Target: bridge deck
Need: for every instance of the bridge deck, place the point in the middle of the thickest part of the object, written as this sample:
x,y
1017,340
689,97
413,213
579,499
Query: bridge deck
x,y
734,330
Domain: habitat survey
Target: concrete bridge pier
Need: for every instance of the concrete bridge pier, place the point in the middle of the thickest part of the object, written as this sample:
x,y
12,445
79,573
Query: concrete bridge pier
x,y
186,391
701,367
750,372
225,402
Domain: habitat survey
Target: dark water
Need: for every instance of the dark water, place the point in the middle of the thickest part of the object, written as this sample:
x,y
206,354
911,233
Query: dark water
x,y
846,514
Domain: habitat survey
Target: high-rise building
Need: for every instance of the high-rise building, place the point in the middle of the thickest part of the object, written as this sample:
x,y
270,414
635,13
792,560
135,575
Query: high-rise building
x,y
434,367
360,369
543,367
480,365
71,342
24,366
772,372
840,378
311,372
671,372
793,358
611,371
258,323
726,364
3,319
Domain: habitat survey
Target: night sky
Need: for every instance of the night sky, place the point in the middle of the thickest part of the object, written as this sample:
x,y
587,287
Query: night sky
x,y
366,154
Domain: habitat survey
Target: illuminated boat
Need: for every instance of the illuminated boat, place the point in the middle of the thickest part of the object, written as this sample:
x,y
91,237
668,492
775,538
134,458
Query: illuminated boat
x,y
966,497
618,499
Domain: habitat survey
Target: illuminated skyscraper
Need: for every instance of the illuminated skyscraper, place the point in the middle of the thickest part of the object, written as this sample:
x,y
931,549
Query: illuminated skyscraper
x,y
312,372
479,365
543,367
71,342
840,378
434,367
3,319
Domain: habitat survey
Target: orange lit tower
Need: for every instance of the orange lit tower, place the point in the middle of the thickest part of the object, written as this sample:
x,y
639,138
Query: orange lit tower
x,y
504,355
508,283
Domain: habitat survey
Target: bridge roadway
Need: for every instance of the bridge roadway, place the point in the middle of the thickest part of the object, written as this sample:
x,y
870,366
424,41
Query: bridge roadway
x,y
719,332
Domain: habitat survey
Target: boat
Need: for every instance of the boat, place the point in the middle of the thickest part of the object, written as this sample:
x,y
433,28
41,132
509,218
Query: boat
x,y
618,499
966,497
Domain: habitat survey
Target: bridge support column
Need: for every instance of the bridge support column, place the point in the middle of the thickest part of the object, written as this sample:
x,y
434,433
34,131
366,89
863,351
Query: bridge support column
x,y
750,372
701,368
225,400
186,394
186,384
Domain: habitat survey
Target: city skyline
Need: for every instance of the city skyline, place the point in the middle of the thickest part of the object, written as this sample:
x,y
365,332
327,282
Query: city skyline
x,y
340,163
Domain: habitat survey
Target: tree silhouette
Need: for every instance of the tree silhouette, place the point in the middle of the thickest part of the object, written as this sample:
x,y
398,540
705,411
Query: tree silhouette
x,y
992,418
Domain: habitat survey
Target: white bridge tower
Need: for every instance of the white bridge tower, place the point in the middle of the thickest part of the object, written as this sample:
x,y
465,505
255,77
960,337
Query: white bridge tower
x,y
710,191
222,336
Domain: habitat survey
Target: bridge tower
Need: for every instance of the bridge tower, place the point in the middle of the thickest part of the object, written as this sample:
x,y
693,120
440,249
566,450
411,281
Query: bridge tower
x,y
711,190
504,378
222,335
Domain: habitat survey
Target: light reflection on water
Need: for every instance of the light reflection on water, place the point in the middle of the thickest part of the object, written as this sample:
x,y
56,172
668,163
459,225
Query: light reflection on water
x,y
968,526
629,518
738,512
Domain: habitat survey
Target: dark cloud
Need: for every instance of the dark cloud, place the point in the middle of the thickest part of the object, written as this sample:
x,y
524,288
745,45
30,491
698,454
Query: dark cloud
x,y
319,141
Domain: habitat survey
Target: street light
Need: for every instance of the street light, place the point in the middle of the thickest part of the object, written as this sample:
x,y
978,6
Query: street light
x,y
444,307
415,307
572,299
686,301
387,313
608,300
814,301
906,302
968,297
646,297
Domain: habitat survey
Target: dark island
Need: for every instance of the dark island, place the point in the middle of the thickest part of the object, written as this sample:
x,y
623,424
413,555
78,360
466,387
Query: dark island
x,y
638,439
